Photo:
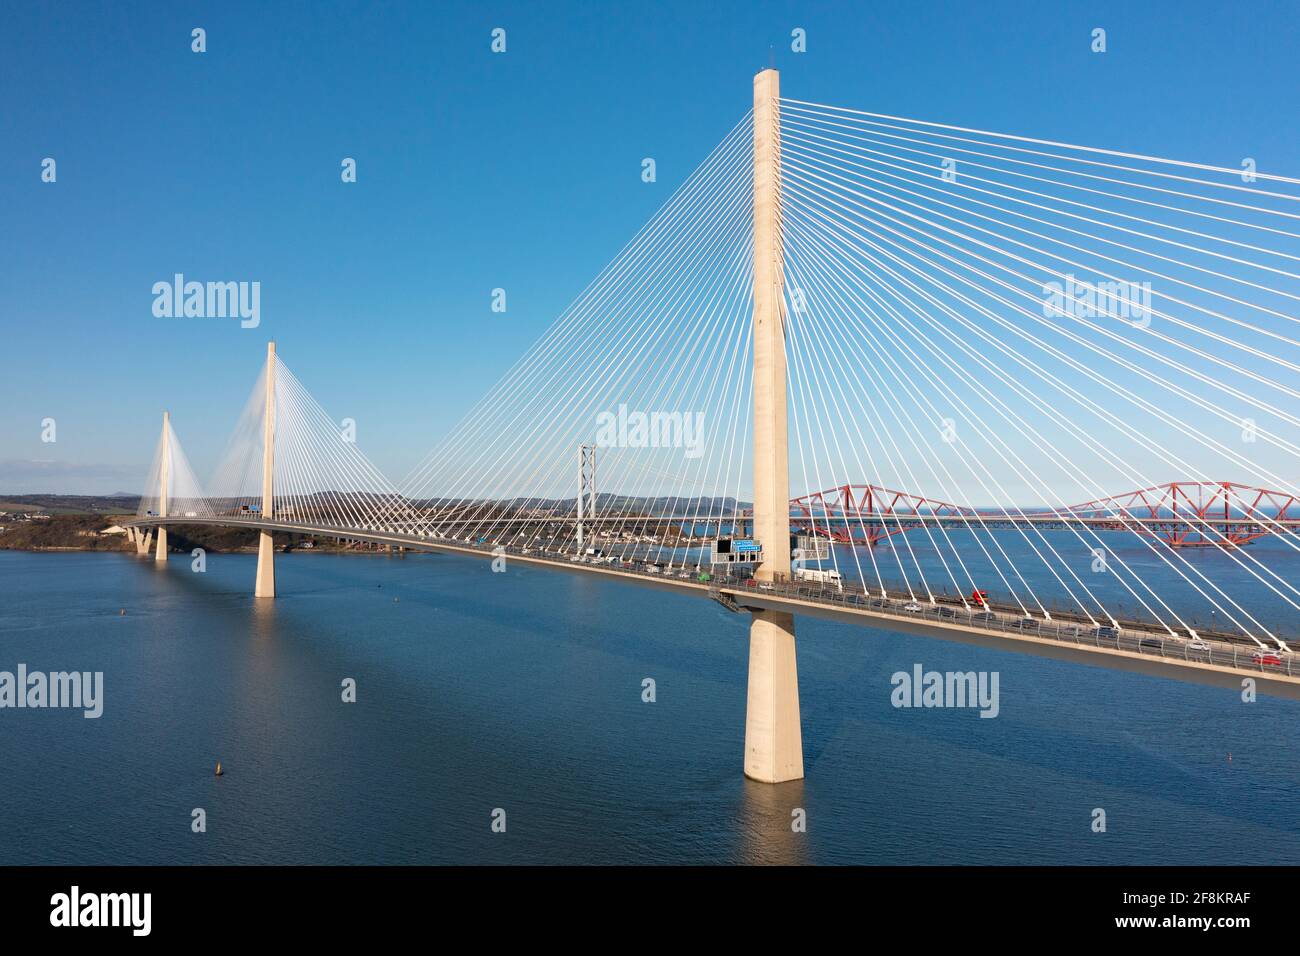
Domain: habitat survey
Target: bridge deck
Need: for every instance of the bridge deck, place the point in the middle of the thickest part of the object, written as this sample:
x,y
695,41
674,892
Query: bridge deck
x,y
1146,652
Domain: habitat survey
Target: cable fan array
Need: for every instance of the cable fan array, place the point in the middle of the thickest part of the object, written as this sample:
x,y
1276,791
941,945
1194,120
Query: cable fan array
x,y
321,478
646,373
184,495
989,319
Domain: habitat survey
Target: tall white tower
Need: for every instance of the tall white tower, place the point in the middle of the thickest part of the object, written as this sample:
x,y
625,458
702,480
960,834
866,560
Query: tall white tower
x,y
773,738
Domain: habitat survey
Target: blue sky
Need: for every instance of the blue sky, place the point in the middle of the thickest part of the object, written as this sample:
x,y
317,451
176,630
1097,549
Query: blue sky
x,y
475,171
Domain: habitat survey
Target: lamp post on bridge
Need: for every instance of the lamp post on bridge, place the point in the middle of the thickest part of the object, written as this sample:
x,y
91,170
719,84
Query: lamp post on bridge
x,y
265,587
773,738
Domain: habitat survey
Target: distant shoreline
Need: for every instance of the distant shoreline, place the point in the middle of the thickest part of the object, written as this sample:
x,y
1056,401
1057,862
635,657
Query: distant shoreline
x,y
84,532
130,551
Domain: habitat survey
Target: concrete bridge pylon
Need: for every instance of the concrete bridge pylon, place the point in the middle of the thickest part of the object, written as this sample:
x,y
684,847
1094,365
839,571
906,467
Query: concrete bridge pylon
x,y
161,553
265,586
773,734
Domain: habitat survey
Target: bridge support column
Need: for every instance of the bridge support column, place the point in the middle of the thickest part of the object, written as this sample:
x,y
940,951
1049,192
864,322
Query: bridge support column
x,y
161,554
265,586
773,738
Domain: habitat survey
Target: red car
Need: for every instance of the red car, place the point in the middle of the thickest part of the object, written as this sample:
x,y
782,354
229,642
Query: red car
x,y
1266,658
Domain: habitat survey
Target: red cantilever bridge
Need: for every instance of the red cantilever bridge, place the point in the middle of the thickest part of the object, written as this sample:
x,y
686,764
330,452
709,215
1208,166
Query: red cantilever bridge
x,y
1184,514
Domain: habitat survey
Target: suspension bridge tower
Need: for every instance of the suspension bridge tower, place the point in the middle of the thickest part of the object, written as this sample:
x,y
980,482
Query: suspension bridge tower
x,y
773,738
586,489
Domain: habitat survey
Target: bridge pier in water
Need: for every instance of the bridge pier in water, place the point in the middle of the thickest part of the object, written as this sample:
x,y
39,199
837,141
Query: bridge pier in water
x,y
265,584
773,735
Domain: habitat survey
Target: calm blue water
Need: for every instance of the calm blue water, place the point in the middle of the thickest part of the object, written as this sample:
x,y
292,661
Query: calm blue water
x,y
523,691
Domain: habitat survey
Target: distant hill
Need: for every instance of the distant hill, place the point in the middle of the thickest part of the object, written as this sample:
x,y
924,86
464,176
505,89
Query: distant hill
x,y
71,504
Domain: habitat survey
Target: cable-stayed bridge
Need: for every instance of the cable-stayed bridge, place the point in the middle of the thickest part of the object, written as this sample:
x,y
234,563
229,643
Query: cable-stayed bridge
x,y
837,304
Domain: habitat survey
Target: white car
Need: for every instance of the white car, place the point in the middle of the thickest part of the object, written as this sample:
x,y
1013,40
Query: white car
x,y
913,607
1196,644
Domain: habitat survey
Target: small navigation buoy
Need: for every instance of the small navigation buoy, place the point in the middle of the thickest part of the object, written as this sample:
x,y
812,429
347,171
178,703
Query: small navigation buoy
x,y
394,600
219,771
1229,756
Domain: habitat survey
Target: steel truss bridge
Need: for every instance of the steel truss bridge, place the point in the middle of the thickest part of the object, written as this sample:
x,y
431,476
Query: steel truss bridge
x,y
1184,514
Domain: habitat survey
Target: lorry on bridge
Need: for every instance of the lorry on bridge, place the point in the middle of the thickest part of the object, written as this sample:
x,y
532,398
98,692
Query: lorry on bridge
x,y
819,576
